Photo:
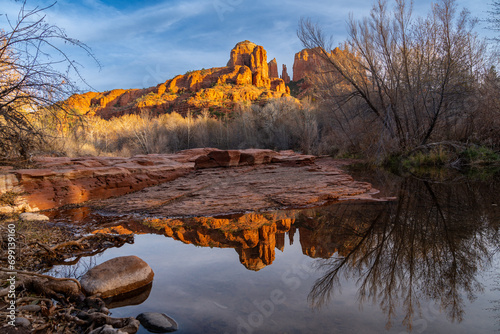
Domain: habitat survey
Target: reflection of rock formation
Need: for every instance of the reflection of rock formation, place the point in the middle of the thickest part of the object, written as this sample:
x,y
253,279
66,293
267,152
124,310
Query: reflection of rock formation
x,y
253,236
319,238
135,297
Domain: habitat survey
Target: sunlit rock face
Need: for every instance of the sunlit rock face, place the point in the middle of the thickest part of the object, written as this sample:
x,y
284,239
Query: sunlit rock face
x,y
245,78
284,75
306,63
273,69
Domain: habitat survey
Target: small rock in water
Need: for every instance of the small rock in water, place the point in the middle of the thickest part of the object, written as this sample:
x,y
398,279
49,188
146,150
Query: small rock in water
x,y
30,308
22,322
157,322
36,217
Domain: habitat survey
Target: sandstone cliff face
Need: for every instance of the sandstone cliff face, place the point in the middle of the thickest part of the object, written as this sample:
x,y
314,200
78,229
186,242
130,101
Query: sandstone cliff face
x,y
254,57
273,69
284,75
245,78
307,62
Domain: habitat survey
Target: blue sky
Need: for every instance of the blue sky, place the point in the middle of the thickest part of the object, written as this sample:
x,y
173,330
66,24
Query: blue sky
x,y
143,43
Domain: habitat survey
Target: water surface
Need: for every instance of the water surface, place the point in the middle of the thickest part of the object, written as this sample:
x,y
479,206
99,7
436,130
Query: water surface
x,y
425,263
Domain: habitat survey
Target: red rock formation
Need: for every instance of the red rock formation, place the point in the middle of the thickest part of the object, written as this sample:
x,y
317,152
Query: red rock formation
x,y
294,180
273,69
254,57
62,181
279,86
291,181
284,75
306,62
241,54
233,158
247,70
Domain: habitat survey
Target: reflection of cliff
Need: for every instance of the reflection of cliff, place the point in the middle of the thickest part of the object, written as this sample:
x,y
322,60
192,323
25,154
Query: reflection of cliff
x,y
336,229
254,236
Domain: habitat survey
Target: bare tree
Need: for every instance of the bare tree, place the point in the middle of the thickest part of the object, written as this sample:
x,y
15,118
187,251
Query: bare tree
x,y
494,18
35,74
413,76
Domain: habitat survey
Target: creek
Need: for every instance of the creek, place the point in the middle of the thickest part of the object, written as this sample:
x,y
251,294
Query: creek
x,y
427,262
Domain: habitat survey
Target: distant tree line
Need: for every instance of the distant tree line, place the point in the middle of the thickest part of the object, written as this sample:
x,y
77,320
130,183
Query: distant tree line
x,y
397,85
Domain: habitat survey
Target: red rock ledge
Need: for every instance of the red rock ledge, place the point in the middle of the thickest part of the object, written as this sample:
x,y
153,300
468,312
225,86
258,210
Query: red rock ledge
x,y
60,181
295,180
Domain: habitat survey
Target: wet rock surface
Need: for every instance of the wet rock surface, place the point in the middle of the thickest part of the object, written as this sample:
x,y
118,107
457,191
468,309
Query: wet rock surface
x,y
60,181
293,182
157,322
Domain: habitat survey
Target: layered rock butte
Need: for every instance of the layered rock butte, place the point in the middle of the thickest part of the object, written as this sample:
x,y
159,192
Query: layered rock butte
x,y
247,77
244,78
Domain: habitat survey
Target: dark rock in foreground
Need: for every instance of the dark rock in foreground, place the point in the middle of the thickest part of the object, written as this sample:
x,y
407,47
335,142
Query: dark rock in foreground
x,y
157,322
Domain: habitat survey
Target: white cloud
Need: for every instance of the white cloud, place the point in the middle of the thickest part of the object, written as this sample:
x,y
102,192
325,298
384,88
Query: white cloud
x,y
173,36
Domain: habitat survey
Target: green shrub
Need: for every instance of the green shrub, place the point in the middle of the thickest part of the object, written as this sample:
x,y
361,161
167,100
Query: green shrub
x,y
480,155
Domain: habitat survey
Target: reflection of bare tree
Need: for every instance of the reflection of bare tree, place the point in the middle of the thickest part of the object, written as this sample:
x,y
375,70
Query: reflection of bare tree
x,y
428,245
74,269
496,303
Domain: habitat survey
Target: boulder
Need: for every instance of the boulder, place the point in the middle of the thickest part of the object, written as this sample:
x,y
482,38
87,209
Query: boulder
x,y
256,156
35,217
229,158
157,322
116,276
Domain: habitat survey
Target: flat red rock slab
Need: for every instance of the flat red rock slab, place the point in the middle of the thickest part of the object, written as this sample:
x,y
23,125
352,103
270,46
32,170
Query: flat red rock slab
x,y
220,191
